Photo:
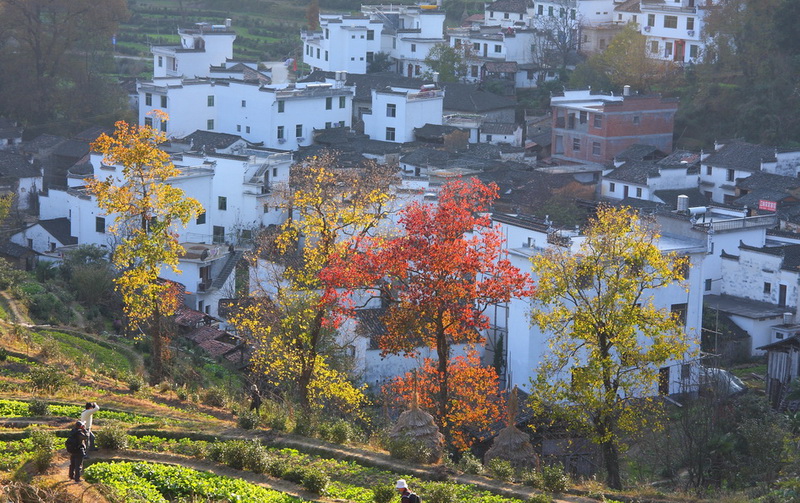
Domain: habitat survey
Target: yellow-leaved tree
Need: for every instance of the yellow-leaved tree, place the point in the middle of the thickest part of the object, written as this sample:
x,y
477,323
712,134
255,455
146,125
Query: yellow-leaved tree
x,y
607,339
290,320
146,212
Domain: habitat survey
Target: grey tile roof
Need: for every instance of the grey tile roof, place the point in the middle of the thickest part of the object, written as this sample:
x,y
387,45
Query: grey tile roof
x,y
484,150
469,98
365,83
747,308
789,252
639,152
516,6
426,156
501,66
73,149
752,199
670,197
59,228
434,131
629,6
762,180
681,157
739,155
634,172
210,139
17,166
41,143
498,128
10,249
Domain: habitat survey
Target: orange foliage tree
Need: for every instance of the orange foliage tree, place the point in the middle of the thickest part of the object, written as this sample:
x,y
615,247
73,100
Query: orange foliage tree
x,y
475,401
437,276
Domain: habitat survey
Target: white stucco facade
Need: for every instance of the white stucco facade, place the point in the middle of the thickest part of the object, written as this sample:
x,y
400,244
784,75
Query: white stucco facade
x,y
397,111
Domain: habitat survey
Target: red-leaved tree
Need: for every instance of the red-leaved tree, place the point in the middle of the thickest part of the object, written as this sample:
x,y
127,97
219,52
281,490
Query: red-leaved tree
x,y
437,277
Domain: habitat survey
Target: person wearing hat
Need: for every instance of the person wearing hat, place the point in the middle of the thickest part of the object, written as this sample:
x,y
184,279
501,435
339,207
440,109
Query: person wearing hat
x,y
406,495
76,447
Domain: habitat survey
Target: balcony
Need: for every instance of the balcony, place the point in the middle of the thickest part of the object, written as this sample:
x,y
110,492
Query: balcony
x,y
738,223
646,7
426,95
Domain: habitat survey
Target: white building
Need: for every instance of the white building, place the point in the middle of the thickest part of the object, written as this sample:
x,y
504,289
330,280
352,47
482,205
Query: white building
x,y
673,29
526,344
729,161
349,42
200,48
397,111
238,193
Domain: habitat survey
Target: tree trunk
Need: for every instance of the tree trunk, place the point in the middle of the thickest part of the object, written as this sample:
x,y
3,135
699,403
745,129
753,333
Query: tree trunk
x,y
310,356
443,352
611,461
157,353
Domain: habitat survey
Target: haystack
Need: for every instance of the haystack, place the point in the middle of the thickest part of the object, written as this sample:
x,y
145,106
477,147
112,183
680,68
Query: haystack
x,y
418,427
511,444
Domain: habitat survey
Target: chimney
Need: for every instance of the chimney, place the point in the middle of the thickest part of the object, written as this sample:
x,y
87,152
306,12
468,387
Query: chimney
x,y
436,77
788,318
626,90
683,203
228,23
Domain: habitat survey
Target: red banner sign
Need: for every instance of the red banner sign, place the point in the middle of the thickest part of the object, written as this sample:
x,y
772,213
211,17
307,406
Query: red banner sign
x,y
765,205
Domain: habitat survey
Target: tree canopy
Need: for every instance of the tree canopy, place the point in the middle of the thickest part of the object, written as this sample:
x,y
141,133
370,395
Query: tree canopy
x,y
606,337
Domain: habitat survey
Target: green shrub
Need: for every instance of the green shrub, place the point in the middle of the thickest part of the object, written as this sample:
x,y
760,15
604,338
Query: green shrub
x,y
383,493
341,432
182,393
554,479
135,383
112,436
278,421
501,469
42,460
409,450
3,354
295,474
48,379
39,408
215,397
533,478
43,440
441,492
305,426
248,420
276,467
315,481
540,498
470,464
258,461
324,431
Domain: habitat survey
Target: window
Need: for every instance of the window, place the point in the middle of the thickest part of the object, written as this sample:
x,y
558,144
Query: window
x,y
654,47
670,21
298,130
595,148
148,121
473,71
476,46
540,11
328,103
598,120
639,192
488,138
491,13
562,12
247,129
550,11
679,312
328,125
663,381
327,33
636,120
244,103
148,99
635,18
210,124
602,43
163,102
163,126
222,203
767,287
274,172
413,47
505,15
280,133
729,174
317,52
370,34
612,187
498,48
238,128
326,55
160,61
708,285
708,170
576,144
342,101
667,49
583,117
281,106
100,225
651,20
389,134
417,70
211,101
694,51
201,218
370,57
572,14
391,110
690,23
219,234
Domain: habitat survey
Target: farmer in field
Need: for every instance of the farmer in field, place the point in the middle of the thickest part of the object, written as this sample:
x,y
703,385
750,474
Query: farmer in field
x,y
76,447
255,397
86,416
406,495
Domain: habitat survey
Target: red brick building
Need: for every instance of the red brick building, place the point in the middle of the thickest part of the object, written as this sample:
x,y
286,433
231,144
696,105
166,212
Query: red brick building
x,y
596,127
